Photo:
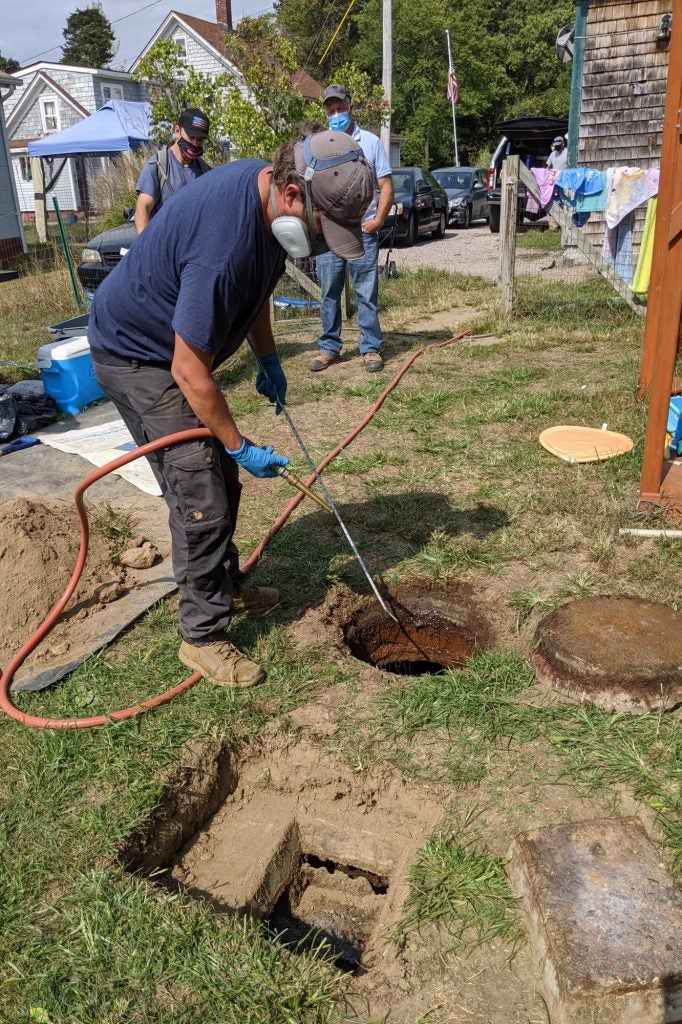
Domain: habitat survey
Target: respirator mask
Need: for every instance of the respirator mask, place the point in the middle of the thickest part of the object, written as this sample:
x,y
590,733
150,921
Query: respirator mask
x,y
298,238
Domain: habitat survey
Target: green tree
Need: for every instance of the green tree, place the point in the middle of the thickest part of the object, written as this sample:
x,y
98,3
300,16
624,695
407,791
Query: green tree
x,y
172,86
310,25
9,64
90,41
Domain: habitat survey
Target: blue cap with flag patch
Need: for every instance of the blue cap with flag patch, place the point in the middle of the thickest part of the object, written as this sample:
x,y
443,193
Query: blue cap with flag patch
x,y
195,122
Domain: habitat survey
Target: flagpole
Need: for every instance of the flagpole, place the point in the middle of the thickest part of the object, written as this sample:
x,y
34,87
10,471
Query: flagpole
x,y
452,99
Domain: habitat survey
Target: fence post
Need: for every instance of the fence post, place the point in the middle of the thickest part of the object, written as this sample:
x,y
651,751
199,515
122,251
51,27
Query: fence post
x,y
508,213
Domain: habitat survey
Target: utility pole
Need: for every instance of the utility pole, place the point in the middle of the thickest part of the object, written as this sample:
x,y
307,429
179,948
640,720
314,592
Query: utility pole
x,y
387,72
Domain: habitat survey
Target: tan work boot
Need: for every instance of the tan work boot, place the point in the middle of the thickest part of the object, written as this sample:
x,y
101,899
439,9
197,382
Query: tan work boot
x,y
221,663
257,600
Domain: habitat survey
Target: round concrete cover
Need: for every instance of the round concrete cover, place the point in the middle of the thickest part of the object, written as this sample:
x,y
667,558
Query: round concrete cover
x,y
584,444
621,653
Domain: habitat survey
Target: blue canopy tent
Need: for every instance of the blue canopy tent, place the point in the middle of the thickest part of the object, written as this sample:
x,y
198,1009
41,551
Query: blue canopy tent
x,y
117,126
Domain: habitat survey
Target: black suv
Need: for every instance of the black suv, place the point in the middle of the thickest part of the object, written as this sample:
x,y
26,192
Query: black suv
x,y
530,138
102,253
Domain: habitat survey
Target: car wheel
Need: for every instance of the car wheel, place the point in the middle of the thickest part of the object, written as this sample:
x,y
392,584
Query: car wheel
x,y
411,233
494,219
439,232
467,216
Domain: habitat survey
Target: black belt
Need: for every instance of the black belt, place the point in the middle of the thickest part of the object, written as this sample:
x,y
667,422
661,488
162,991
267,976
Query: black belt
x,y
105,358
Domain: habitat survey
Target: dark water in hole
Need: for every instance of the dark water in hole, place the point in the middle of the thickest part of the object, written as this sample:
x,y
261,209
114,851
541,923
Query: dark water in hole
x,y
413,668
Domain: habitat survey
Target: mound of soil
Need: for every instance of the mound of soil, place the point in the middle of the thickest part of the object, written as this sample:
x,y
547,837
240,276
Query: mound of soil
x,y
39,543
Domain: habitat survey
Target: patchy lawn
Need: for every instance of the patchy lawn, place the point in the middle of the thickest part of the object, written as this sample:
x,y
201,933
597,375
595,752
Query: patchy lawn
x,y
447,483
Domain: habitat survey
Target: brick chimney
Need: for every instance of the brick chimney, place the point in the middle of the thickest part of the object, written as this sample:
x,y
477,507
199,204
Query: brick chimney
x,y
223,14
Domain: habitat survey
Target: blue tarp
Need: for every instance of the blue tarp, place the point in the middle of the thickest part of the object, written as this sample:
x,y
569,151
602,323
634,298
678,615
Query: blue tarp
x,y
117,126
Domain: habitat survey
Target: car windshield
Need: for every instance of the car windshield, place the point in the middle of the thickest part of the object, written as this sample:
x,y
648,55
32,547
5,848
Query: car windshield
x,y
403,181
453,179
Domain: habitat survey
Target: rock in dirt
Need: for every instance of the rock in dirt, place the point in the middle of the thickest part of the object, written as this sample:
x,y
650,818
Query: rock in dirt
x,y
142,556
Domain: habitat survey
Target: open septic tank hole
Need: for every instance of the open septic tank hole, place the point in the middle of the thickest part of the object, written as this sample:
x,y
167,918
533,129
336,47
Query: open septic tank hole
x,y
438,628
291,838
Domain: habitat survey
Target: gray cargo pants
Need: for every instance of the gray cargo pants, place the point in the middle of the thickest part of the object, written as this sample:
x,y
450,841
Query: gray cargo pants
x,y
200,485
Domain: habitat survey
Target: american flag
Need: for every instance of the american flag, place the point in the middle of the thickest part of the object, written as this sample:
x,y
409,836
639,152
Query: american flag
x,y
453,88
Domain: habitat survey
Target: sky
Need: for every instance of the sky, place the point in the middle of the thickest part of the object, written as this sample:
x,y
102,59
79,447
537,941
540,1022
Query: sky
x,y
36,25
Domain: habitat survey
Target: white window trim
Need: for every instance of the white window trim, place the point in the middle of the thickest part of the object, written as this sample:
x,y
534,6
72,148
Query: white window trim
x,y
181,39
43,101
117,89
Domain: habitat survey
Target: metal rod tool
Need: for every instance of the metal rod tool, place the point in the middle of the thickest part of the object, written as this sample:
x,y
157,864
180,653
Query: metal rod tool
x,y
323,488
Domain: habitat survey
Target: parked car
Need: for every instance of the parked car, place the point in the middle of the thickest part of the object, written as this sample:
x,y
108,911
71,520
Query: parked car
x,y
102,253
529,137
420,205
467,194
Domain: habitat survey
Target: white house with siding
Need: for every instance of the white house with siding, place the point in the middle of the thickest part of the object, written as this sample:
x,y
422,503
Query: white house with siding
x,y
54,97
11,232
202,45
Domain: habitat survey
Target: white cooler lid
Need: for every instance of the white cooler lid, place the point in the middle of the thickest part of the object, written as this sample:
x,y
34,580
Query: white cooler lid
x,y
68,349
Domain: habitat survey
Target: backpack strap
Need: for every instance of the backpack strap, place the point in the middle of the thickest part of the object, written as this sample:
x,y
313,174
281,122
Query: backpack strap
x,y
162,171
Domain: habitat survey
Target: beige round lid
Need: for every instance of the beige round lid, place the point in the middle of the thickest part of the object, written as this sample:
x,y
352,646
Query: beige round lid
x,y
584,444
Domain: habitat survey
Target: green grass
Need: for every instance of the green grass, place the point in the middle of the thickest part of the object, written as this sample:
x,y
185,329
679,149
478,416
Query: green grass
x,y
534,238
448,482
456,884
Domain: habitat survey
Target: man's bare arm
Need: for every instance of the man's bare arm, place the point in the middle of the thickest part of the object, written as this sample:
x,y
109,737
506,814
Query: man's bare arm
x,y
144,207
191,371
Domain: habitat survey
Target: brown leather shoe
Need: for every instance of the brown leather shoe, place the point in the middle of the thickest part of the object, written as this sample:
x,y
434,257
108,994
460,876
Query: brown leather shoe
x,y
322,361
257,600
373,362
221,663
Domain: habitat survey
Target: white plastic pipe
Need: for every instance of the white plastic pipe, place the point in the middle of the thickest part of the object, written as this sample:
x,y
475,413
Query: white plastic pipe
x,y
664,534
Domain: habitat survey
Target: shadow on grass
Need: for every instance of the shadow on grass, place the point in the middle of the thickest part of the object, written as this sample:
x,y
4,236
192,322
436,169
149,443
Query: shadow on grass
x,y
311,554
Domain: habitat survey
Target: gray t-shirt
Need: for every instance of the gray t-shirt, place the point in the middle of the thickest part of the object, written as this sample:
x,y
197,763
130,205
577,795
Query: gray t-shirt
x,y
178,176
557,160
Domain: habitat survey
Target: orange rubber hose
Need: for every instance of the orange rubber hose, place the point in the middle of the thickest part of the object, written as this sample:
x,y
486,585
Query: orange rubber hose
x,y
52,617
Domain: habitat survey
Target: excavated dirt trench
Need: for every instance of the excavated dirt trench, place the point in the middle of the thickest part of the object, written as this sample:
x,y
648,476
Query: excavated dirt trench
x,y
293,838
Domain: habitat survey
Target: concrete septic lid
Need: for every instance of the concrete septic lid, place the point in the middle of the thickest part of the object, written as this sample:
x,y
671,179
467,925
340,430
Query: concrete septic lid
x,y
621,653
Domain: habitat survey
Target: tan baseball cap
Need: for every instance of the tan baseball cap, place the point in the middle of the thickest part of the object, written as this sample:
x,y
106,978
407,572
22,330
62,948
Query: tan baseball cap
x,y
342,185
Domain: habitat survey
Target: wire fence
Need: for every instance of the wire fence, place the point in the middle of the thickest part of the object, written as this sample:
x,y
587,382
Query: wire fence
x,y
548,234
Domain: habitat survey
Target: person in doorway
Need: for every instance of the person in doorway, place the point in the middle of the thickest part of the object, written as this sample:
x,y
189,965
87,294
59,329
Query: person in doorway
x,y
558,158
364,272
194,286
176,165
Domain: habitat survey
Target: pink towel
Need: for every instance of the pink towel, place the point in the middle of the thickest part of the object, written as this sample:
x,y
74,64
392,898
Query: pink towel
x,y
627,188
545,178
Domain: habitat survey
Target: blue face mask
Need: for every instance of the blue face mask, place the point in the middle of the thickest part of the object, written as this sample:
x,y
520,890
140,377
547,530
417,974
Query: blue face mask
x,y
339,122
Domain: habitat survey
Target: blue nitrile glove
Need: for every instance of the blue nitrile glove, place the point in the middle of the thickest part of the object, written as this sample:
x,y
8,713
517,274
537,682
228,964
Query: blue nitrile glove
x,y
260,462
270,380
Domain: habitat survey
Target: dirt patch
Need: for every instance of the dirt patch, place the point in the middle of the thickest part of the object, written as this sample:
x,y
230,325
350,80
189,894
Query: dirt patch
x,y
39,543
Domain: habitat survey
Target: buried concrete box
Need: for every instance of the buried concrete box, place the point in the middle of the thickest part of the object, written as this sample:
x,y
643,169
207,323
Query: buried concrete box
x,y
605,922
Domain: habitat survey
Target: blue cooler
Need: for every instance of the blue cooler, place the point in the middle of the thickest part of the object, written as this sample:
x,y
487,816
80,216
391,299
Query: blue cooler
x,y
68,374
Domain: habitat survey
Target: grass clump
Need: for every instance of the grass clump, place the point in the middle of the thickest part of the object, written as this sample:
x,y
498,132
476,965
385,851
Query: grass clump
x,y
457,885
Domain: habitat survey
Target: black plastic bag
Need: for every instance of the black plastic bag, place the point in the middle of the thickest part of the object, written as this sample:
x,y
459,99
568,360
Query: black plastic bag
x,y
33,409
8,415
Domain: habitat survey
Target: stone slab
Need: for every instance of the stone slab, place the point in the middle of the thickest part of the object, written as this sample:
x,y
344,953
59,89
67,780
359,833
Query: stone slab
x,y
621,653
254,860
605,922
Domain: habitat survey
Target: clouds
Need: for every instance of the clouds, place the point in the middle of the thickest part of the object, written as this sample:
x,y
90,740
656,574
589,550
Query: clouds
x,y
37,25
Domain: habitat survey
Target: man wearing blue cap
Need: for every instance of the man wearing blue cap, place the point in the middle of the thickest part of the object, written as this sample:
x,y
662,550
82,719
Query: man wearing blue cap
x,y
558,158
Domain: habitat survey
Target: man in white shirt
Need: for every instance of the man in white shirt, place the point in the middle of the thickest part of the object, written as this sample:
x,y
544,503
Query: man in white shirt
x,y
558,158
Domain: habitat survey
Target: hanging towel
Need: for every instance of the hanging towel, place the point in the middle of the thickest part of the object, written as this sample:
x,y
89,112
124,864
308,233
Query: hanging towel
x,y
592,202
630,187
581,180
640,282
617,248
545,178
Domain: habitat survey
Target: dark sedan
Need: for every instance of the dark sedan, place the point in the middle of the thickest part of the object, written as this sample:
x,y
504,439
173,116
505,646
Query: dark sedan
x,y
420,206
467,193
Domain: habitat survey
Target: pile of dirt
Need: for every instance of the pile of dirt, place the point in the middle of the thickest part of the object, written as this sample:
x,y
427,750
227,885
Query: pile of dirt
x,y
39,544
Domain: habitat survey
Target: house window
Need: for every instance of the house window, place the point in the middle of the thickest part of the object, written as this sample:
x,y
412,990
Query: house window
x,y
25,168
49,114
181,42
112,92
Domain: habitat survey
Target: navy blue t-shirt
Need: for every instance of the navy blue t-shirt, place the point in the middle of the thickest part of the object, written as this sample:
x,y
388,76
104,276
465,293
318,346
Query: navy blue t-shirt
x,y
203,268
